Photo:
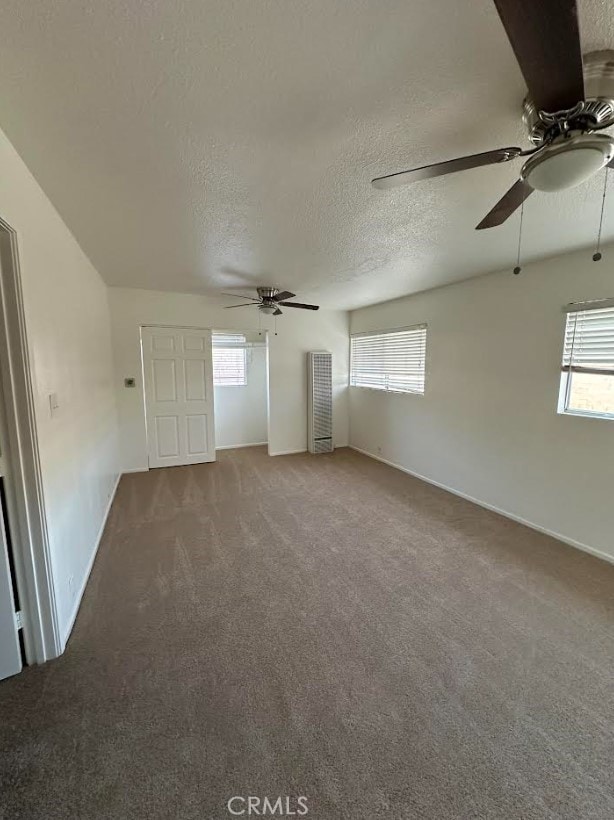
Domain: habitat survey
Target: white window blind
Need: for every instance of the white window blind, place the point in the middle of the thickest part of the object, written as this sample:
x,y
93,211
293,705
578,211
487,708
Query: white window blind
x,y
229,359
588,360
391,360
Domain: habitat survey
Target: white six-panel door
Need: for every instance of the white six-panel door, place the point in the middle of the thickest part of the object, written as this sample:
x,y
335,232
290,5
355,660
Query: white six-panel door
x,y
178,372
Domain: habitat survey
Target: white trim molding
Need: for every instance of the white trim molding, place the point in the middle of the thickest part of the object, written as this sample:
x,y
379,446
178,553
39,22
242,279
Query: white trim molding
x,y
239,446
570,541
86,577
288,452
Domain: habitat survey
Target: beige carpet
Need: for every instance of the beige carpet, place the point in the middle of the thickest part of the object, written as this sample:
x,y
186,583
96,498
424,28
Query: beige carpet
x,y
321,626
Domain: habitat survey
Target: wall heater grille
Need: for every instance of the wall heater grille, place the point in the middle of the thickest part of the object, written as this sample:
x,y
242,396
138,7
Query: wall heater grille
x,y
320,408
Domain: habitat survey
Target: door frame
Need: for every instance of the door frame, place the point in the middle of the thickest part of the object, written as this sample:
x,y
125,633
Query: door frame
x,y
25,499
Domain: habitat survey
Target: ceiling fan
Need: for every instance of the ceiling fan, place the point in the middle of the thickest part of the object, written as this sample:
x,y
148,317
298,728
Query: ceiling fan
x,y
569,99
269,299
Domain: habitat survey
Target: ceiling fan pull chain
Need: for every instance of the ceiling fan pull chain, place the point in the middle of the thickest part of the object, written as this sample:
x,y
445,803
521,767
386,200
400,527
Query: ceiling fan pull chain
x,y
275,319
517,269
597,254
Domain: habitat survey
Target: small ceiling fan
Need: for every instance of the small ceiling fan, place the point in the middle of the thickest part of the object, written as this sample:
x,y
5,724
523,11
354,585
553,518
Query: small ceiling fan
x,y
569,100
269,299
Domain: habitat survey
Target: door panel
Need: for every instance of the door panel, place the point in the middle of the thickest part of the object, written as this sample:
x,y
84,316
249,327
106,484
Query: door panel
x,y
164,380
163,343
193,344
178,373
195,380
167,436
197,434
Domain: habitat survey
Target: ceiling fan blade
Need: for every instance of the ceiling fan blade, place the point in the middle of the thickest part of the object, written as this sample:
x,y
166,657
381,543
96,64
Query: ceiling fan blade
x,y
300,305
285,294
240,296
506,206
448,167
245,304
545,36
278,312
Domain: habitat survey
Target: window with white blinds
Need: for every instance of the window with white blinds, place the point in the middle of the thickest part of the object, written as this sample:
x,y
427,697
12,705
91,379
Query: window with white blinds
x,y
392,360
587,378
229,359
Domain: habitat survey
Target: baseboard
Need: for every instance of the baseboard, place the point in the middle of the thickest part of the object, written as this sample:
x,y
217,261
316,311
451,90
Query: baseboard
x,y
238,446
136,470
537,527
288,452
88,571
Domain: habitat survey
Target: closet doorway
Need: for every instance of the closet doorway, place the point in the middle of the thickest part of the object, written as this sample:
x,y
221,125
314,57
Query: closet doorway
x,y
240,388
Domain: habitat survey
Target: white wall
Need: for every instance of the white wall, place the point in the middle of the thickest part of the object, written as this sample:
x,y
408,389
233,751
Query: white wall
x,y
488,424
241,410
299,331
67,322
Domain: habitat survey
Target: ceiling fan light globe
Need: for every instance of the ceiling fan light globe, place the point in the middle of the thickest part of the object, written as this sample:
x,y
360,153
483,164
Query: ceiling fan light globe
x,y
566,170
569,163
268,309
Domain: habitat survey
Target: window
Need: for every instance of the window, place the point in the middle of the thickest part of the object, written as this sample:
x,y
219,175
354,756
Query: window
x,y
229,359
587,378
392,360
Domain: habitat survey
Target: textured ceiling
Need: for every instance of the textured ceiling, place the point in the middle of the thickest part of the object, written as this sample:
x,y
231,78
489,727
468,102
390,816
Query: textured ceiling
x,y
198,145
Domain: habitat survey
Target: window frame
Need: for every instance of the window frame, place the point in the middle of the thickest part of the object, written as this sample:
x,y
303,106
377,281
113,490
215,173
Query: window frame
x,y
566,371
242,346
363,334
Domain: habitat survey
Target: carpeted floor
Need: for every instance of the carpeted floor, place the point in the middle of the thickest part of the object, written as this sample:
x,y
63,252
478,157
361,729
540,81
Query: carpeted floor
x,y
322,626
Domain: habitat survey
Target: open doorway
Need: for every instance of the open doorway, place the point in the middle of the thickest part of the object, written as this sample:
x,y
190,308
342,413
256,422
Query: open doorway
x,y
29,629
240,386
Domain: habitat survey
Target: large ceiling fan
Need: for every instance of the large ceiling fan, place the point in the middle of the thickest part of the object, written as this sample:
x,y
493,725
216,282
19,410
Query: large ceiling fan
x,y
269,301
568,100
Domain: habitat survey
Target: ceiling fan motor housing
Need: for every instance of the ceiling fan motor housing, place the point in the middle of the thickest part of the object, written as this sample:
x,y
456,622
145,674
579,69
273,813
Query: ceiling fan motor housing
x,y
596,111
267,295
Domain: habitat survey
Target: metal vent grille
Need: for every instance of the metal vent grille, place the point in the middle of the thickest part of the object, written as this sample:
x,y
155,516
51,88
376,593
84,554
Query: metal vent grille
x,y
320,424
